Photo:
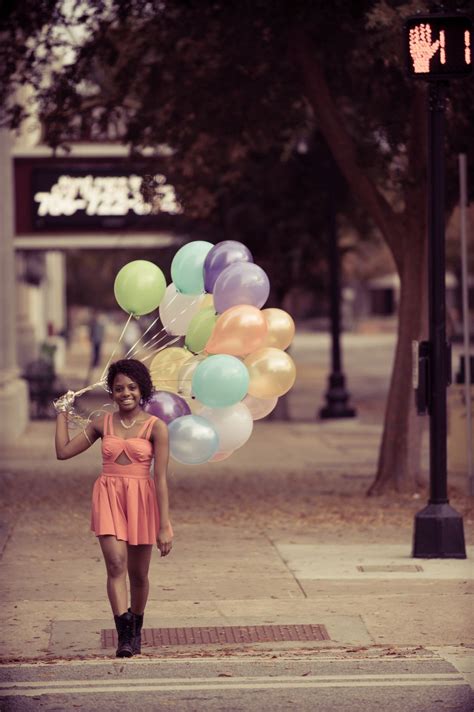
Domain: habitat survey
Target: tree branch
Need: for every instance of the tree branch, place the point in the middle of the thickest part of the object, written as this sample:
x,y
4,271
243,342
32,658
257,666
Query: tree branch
x,y
342,146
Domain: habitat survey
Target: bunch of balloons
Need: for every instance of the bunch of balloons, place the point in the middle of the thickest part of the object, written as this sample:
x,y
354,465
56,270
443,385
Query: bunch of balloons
x,y
233,366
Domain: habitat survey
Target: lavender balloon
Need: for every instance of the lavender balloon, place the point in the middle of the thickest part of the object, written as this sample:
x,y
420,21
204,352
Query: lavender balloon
x,y
241,283
167,406
221,256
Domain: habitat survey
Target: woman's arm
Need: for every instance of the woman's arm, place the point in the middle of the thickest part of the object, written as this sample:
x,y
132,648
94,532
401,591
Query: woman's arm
x,y
66,448
161,455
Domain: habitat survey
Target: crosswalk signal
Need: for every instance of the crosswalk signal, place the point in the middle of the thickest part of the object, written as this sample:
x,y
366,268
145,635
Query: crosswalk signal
x,y
438,46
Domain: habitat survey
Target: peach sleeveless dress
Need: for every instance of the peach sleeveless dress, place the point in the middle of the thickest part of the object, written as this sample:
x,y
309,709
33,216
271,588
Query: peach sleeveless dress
x,y
124,496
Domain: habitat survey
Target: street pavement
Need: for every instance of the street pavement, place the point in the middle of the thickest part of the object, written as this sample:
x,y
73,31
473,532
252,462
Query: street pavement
x,y
279,534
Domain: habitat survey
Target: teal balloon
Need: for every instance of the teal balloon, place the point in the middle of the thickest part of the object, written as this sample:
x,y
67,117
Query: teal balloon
x,y
187,267
193,439
220,380
139,287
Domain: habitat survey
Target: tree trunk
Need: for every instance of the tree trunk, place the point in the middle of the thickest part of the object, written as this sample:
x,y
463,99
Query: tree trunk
x,y
400,450
405,234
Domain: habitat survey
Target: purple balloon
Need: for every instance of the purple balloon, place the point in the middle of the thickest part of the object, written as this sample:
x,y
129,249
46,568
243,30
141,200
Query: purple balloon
x,y
167,406
241,283
221,256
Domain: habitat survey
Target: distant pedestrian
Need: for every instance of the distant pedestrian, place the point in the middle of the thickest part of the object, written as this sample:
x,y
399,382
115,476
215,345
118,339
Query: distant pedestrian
x,y
130,511
96,337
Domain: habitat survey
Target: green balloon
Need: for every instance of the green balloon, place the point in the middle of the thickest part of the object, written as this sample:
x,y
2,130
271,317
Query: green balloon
x,y
200,329
139,287
187,267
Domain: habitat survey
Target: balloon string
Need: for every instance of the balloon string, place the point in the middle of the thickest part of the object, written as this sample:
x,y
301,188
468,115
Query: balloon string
x,y
149,344
145,345
136,349
116,347
89,388
172,341
131,349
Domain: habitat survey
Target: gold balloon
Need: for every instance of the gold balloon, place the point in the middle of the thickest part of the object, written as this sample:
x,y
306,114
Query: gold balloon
x,y
281,328
272,372
165,367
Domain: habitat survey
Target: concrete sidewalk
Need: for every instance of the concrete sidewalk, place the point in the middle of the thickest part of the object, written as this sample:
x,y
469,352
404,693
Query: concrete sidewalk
x,y
280,534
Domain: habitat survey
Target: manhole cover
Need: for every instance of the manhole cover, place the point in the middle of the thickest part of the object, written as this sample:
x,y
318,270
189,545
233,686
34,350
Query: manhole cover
x,y
155,637
403,568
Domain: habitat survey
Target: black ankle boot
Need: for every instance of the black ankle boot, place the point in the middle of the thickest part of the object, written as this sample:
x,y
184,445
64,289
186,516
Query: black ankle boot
x,y
124,625
137,624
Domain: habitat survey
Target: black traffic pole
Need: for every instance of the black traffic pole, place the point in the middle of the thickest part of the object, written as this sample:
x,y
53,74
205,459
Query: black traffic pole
x,y
438,531
437,48
337,396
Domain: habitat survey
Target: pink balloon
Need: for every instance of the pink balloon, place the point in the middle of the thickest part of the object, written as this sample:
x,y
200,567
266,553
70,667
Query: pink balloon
x,y
259,407
219,456
238,331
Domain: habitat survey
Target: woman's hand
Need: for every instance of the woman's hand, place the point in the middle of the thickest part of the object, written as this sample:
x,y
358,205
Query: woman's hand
x,y
164,540
65,402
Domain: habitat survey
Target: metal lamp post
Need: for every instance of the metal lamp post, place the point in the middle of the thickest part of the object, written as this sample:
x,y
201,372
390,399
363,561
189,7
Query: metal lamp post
x,y
438,49
337,397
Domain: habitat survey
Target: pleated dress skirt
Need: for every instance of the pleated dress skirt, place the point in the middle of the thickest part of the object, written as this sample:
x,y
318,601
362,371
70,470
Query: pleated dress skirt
x,y
124,504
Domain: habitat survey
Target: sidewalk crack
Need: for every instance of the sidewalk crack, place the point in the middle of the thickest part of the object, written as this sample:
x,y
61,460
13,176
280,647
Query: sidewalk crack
x,y
285,564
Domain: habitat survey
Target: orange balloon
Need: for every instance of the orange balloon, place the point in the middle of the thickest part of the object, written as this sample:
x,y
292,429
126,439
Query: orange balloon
x,y
272,372
238,331
281,328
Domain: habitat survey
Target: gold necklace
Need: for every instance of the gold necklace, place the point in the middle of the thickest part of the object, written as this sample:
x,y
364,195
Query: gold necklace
x,y
127,427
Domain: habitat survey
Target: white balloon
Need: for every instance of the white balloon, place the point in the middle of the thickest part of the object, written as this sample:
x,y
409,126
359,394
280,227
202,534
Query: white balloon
x,y
177,310
260,407
233,424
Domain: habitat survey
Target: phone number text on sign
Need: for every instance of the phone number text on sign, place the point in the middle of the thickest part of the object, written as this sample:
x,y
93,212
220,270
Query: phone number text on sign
x,y
103,195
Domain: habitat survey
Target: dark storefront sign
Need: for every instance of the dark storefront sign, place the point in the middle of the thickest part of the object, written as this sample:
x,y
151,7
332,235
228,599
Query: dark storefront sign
x,y
89,196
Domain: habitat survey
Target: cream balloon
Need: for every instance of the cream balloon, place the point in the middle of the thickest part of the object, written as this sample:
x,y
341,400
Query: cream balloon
x,y
233,424
238,331
207,300
281,328
259,407
165,367
177,310
185,375
272,372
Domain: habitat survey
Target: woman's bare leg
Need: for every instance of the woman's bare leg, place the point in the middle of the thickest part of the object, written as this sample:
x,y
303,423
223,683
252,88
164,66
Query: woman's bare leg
x,y
139,556
115,557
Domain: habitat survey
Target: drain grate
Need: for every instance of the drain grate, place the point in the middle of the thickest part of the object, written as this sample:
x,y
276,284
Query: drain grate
x,y
156,637
403,568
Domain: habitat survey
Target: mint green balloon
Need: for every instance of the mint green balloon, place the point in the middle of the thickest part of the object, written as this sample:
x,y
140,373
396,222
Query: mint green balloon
x,y
200,329
220,380
139,287
187,267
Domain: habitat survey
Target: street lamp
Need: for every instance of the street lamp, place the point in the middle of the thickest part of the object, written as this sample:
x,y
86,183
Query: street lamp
x,y
438,48
337,396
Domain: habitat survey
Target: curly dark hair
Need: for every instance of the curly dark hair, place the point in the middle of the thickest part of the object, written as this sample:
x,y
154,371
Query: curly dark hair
x,y
134,369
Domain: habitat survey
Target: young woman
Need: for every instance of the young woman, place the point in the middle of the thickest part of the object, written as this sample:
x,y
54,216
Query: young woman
x,y
129,509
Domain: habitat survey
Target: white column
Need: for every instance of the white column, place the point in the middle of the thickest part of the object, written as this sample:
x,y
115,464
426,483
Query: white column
x,y
56,303
13,389
26,341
